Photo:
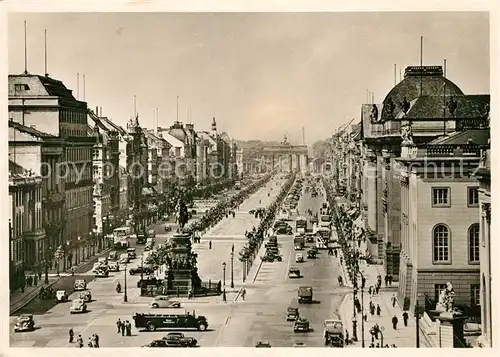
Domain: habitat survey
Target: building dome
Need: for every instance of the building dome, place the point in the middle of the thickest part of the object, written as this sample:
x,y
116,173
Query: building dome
x,y
418,81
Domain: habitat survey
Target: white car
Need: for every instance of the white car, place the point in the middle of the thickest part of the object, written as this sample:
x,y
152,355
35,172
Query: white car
x,y
124,259
78,306
114,266
299,258
164,302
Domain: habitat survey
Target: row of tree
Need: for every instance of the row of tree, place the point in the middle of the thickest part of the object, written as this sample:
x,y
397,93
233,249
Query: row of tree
x,y
256,236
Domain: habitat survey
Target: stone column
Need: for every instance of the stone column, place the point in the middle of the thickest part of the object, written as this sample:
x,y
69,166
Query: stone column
x,y
290,164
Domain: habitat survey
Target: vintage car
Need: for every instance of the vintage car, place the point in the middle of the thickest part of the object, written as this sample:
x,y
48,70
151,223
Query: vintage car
x,y
103,260
301,325
294,272
124,259
299,258
80,285
168,227
114,266
102,272
157,343
299,344
263,344
78,306
151,233
311,253
96,266
178,339
145,269
24,322
86,296
164,302
271,257
61,296
131,253
292,313
113,255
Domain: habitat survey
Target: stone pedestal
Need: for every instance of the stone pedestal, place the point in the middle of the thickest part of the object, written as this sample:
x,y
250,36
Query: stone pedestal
x,y
451,330
182,274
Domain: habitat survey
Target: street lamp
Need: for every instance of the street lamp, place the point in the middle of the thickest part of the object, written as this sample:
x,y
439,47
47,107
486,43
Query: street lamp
x,y
224,281
232,277
125,297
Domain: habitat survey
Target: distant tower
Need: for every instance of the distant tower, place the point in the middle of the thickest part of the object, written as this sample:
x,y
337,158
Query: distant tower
x,y
214,127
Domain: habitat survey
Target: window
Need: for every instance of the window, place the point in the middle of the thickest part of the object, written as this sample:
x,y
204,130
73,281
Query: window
x,y
441,244
440,196
472,197
21,87
474,243
475,295
437,290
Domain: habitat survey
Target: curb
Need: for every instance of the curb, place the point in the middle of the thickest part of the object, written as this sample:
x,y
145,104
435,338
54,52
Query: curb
x,y
238,295
257,272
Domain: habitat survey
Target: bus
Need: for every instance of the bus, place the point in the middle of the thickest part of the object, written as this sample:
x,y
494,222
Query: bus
x,y
301,225
121,237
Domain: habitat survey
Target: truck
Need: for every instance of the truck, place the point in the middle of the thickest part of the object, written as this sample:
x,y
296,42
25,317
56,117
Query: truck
x,y
299,242
333,331
152,322
301,225
305,294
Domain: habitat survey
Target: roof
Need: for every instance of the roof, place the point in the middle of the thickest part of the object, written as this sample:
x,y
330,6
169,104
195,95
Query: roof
x,y
479,137
40,85
15,168
418,81
172,140
466,107
30,130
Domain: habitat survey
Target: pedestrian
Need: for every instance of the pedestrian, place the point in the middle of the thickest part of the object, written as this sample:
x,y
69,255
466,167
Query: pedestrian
x,y
365,316
376,289
118,325
96,339
89,343
394,322
35,280
378,310
71,335
393,300
122,327
370,290
72,271
129,328
346,337
210,245
372,310
39,275
79,341
390,280
386,278
405,318
243,293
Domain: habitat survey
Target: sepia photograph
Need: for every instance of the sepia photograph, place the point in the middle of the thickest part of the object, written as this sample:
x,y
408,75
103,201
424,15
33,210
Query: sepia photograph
x,y
248,179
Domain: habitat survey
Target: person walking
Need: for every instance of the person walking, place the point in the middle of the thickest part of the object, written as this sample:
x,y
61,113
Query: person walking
x,y
243,293
386,280
89,342
122,327
118,325
96,339
210,245
394,322
378,310
405,318
79,341
129,328
376,289
393,300
71,335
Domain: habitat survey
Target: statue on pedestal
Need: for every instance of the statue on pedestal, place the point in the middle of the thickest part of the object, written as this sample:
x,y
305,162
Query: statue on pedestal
x,y
406,135
446,299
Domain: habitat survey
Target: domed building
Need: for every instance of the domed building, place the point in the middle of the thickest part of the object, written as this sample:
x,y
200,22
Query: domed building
x,y
423,107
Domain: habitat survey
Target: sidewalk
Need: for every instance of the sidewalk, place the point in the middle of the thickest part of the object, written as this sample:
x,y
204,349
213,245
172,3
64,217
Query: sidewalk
x,y
403,336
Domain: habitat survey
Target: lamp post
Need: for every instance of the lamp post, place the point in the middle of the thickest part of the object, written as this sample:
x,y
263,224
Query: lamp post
x,y
232,277
224,281
354,328
125,297
417,327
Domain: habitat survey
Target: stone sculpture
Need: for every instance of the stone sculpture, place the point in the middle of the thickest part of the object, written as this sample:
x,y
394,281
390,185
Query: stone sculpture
x,y
446,299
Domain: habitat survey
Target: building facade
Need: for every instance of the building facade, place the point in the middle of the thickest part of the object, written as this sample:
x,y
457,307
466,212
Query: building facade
x,y
47,105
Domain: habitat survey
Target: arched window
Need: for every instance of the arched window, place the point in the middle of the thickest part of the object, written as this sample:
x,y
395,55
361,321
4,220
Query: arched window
x,y
441,244
474,243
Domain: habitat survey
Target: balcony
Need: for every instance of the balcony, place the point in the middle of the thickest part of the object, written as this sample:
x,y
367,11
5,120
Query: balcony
x,y
458,151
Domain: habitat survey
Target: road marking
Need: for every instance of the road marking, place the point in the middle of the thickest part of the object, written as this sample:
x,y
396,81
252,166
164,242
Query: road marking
x,y
287,266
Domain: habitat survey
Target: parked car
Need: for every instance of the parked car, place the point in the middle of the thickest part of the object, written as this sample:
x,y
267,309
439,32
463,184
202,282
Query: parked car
x,y
113,255
124,259
78,306
137,270
299,258
294,272
157,343
131,253
263,344
102,272
301,325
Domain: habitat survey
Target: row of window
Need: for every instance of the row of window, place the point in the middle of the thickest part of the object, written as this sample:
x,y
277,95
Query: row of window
x,y
65,132
69,116
441,236
79,198
78,154
441,196
17,250
475,293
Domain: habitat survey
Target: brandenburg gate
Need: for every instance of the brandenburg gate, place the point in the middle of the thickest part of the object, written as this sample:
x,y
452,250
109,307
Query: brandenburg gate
x,y
286,157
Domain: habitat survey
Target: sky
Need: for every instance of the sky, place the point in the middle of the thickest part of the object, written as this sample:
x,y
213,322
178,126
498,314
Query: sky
x,y
262,75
